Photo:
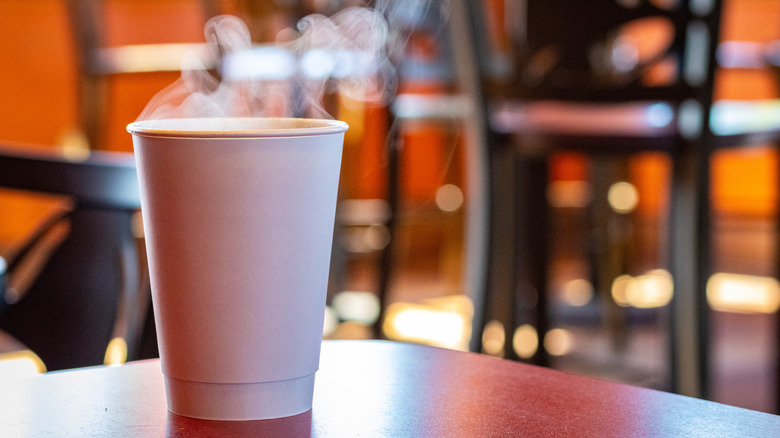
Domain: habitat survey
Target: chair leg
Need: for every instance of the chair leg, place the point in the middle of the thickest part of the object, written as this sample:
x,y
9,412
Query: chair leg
x,y
497,303
532,249
690,265
393,200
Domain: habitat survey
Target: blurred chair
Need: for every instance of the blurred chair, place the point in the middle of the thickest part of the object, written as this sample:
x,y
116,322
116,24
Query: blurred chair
x,y
608,78
77,278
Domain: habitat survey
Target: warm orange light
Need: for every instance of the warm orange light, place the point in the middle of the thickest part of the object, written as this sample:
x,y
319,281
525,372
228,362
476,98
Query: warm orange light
x,y
623,197
620,287
653,289
443,322
352,330
75,146
21,363
493,338
577,292
116,352
525,341
569,194
743,293
153,57
650,290
558,342
449,198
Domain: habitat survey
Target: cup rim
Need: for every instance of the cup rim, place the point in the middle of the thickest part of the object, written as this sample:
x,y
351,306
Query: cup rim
x,y
236,127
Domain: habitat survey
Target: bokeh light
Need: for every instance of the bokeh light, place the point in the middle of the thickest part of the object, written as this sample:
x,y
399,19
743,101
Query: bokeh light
x,y
623,197
494,338
116,352
578,292
21,363
362,307
442,322
525,341
743,293
646,291
558,342
449,198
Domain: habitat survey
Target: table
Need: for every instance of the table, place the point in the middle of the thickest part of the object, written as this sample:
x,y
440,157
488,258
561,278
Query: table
x,y
379,388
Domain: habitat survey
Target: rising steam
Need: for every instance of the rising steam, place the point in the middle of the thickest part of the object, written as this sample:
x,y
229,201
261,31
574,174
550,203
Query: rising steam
x,y
352,52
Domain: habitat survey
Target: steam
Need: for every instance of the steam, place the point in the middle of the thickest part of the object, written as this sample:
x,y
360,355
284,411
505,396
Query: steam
x,y
346,52
198,93
353,52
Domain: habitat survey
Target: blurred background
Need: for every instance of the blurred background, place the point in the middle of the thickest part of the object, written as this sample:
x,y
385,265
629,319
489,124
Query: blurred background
x,y
412,247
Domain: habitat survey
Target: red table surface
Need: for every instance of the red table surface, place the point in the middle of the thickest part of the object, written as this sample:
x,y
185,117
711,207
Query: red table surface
x,y
379,388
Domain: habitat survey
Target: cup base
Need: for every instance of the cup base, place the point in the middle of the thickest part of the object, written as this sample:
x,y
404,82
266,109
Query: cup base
x,y
239,401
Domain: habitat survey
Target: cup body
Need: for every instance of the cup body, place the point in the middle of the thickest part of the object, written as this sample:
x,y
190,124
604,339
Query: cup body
x,y
238,218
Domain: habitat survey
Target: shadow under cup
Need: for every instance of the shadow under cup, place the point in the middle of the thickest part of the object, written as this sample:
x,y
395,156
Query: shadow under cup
x,y
238,218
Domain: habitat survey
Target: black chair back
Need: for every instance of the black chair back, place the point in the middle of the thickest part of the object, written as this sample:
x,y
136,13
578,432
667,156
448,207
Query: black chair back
x,y
94,285
605,50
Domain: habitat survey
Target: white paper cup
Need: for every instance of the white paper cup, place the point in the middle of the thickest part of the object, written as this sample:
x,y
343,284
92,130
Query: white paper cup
x,y
238,215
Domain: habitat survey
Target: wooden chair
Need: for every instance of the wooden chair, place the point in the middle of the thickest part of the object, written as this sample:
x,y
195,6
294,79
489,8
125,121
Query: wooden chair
x,y
87,281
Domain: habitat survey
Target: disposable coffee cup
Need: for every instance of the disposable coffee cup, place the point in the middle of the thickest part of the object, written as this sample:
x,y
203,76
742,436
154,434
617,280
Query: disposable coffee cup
x,y
238,215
